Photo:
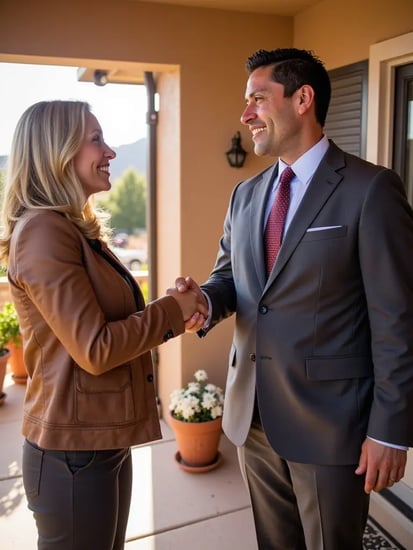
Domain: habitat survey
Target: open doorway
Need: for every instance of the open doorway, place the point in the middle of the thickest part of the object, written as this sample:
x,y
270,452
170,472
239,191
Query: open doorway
x,y
403,126
121,109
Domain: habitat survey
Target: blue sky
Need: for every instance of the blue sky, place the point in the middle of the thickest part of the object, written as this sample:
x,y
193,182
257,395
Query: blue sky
x,y
120,108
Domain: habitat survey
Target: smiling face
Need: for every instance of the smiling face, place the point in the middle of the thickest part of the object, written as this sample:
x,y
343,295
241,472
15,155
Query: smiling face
x,y
92,160
277,123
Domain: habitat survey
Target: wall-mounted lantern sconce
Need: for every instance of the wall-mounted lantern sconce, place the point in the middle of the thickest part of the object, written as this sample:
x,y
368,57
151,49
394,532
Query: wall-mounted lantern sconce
x,y
236,155
100,78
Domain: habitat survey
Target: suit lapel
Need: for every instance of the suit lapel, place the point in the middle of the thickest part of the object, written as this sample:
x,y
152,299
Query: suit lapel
x,y
259,201
322,185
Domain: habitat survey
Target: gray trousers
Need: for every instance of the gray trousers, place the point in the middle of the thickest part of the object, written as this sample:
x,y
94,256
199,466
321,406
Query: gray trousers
x,y
302,506
80,499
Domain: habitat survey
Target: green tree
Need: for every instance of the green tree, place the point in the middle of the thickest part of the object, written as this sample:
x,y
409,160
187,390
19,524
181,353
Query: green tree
x,y
126,202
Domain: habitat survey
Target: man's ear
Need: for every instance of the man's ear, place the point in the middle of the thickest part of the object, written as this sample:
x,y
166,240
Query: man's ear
x,y
305,98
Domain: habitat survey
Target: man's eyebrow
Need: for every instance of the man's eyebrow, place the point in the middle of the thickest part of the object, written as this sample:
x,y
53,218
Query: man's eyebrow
x,y
255,91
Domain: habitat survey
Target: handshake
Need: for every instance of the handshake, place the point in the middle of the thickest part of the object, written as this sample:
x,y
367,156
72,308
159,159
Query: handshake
x,y
191,300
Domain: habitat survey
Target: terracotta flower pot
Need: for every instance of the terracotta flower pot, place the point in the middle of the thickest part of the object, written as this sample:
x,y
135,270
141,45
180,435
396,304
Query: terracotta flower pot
x,y
3,365
197,443
16,363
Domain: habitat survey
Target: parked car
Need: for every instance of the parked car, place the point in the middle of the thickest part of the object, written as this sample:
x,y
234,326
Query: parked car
x,y
132,258
120,240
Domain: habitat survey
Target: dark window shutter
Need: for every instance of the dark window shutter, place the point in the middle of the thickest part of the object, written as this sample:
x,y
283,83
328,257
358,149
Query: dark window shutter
x,y
346,122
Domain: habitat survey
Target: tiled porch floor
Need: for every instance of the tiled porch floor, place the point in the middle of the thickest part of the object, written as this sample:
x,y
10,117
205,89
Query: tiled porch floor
x,y
170,509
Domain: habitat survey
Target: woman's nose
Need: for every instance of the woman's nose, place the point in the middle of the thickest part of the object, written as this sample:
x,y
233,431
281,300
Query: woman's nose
x,y
110,152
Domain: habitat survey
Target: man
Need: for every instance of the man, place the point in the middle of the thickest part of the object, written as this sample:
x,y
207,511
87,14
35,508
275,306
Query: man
x,y
319,395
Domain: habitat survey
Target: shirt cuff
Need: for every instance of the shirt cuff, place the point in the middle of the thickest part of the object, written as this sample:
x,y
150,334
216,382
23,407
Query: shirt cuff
x,y
208,319
400,447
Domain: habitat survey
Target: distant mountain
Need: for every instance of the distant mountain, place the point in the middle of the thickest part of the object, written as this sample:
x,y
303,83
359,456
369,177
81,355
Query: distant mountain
x,y
131,155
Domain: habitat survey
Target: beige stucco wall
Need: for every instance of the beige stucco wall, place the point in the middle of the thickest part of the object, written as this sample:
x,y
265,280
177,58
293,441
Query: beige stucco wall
x,y
198,56
341,32
202,54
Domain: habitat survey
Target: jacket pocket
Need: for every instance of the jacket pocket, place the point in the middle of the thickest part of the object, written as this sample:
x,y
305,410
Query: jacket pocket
x,y
338,368
105,399
312,234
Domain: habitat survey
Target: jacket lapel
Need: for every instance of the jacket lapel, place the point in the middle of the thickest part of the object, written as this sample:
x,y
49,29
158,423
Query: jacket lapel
x,y
322,185
259,199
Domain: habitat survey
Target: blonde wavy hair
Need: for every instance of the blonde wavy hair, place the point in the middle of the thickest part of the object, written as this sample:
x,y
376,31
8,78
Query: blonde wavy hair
x,y
41,174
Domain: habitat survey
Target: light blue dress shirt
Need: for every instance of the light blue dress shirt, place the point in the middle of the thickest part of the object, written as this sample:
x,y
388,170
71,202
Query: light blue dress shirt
x,y
303,169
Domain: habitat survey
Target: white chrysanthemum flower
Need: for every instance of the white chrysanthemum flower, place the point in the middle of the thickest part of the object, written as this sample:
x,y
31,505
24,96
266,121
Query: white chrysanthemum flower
x,y
175,399
216,412
189,406
193,387
201,376
197,401
208,400
176,394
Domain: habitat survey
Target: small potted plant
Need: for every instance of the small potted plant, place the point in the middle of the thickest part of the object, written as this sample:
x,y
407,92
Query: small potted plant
x,y
16,361
196,419
5,352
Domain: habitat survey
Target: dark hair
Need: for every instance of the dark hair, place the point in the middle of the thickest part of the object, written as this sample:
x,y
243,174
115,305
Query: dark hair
x,y
293,68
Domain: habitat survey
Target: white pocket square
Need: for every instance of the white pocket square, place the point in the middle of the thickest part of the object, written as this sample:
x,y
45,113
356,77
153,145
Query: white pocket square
x,y
323,228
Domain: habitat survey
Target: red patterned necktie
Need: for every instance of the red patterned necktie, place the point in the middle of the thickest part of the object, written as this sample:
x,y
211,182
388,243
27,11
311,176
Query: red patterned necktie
x,y
276,220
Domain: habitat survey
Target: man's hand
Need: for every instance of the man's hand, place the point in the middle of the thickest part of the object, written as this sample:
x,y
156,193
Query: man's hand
x,y
383,465
185,288
183,284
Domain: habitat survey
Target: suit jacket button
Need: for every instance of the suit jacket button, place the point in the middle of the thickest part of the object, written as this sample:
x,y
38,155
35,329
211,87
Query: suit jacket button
x,y
263,309
252,357
149,378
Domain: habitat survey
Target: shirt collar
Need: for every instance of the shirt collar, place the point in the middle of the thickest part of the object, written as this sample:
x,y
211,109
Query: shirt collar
x,y
305,166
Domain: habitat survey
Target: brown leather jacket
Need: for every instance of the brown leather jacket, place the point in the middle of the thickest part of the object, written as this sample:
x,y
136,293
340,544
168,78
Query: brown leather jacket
x,y
86,341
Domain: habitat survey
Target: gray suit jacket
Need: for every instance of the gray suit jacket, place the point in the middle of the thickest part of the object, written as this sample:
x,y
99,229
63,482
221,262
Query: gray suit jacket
x,y
326,343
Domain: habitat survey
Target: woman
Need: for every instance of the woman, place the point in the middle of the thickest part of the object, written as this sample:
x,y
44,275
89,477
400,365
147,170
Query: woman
x,y
87,333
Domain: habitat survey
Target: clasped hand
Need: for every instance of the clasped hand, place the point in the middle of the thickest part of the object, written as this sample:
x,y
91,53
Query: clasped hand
x,y
192,302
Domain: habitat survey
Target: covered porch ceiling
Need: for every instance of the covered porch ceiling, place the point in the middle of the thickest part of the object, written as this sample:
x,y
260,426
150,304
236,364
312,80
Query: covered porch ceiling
x,y
273,7
134,74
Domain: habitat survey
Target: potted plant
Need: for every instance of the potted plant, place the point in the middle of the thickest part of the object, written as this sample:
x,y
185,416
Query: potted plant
x,y
196,419
4,351
16,361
